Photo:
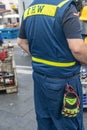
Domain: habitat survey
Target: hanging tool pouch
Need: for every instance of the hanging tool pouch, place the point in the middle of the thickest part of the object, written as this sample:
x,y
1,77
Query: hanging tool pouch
x,y
71,102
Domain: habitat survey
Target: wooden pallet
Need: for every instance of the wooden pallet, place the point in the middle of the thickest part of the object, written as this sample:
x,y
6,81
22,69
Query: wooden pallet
x,y
9,90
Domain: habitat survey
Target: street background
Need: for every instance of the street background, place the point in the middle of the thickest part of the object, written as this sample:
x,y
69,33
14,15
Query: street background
x,y
17,110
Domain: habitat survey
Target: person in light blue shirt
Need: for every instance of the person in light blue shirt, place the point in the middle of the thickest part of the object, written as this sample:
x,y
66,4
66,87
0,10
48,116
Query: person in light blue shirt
x,y
1,40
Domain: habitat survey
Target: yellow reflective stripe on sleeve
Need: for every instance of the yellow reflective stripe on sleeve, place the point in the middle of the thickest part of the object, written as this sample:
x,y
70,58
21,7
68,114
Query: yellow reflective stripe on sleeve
x,y
43,9
51,63
40,9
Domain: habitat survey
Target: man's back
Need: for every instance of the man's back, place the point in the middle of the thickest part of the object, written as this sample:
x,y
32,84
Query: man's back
x,y
47,41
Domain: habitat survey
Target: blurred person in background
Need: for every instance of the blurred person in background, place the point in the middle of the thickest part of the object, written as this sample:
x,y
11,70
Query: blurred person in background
x,y
1,40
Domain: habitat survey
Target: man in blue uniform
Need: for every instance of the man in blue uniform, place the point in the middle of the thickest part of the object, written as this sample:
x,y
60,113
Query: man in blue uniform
x,y
51,32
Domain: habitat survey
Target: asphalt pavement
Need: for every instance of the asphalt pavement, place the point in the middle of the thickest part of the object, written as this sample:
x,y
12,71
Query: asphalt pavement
x,y
17,110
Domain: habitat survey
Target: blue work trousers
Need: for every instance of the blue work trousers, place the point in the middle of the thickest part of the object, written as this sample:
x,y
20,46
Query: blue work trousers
x,y
48,97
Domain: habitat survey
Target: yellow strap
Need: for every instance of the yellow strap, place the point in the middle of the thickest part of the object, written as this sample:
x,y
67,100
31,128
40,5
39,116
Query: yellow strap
x,y
85,40
51,63
62,3
43,9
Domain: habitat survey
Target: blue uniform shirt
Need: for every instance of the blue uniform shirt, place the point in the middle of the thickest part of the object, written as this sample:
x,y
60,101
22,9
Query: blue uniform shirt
x,y
47,39
73,31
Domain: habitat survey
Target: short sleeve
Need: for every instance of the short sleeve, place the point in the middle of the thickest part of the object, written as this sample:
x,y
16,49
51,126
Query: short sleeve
x,y
71,23
22,33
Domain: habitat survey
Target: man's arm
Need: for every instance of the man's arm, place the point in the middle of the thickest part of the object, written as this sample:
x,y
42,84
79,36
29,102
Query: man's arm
x,y
72,30
23,43
78,49
22,39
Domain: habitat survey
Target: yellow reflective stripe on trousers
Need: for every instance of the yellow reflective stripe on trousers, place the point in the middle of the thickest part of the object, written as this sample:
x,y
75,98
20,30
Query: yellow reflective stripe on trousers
x,y
51,63
43,9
